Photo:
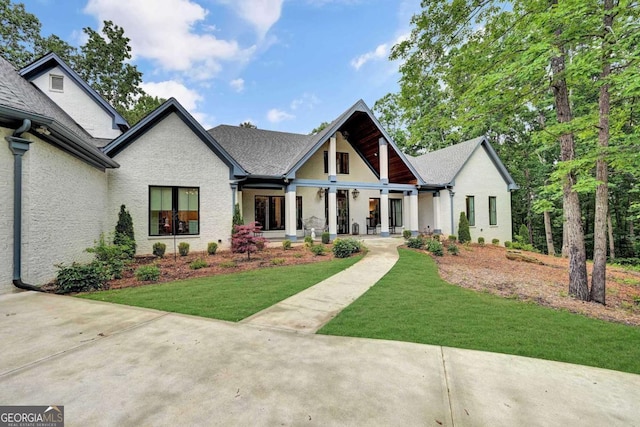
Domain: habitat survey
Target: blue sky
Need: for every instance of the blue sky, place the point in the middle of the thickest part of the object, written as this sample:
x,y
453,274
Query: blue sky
x,y
282,64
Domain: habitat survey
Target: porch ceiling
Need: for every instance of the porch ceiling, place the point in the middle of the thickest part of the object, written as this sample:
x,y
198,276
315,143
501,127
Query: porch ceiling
x,y
364,136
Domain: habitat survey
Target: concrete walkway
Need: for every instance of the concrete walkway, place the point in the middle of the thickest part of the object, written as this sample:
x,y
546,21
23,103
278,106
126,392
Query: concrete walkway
x,y
112,365
312,308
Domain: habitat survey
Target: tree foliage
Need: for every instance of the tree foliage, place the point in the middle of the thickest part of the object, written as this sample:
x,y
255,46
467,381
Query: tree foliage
x,y
248,124
464,234
247,239
319,128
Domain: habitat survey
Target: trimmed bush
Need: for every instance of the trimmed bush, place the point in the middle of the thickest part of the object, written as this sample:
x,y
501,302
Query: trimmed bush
x,y
183,248
453,249
278,261
81,277
148,273
415,242
124,232
317,250
406,234
212,248
464,234
344,248
481,241
453,237
308,240
507,244
286,244
495,242
159,249
197,264
228,264
435,247
326,237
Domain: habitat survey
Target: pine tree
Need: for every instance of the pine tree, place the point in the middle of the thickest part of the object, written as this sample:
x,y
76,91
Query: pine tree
x,y
124,232
464,234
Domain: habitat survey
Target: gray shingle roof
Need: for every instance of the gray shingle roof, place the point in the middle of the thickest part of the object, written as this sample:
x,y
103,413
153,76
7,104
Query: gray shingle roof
x,y
262,152
441,166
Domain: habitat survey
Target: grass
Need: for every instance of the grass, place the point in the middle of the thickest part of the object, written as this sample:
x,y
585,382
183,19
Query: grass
x,y
227,296
412,303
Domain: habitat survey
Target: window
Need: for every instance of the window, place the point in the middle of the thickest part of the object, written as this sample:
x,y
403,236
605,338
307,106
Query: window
x,y
342,163
493,211
471,210
270,212
57,83
174,210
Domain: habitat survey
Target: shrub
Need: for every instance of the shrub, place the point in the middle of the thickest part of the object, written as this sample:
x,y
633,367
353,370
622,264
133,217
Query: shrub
x,y
495,242
523,234
435,247
343,248
278,261
244,240
453,237
453,249
406,234
212,248
113,257
523,247
481,241
124,235
286,244
415,242
436,237
326,237
81,277
237,218
183,248
507,244
159,248
148,273
197,264
464,234
317,250
308,241
228,264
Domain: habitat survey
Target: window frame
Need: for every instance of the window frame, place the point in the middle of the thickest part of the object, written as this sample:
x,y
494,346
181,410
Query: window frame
x,y
471,210
266,226
342,162
175,191
53,77
493,210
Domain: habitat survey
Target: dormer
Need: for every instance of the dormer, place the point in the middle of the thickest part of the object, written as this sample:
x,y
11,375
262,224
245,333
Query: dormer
x,y
64,86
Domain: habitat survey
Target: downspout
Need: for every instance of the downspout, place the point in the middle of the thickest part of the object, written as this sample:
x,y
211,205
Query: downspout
x,y
18,146
451,194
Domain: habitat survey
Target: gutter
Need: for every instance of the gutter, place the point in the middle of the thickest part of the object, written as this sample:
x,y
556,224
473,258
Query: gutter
x,y
451,194
19,146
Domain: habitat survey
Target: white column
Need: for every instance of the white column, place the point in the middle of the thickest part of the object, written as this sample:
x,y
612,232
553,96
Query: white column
x,y
332,159
384,213
437,228
333,214
406,211
290,213
413,207
384,161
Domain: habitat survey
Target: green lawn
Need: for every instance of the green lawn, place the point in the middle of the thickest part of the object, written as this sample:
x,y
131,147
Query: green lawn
x,y
230,296
411,303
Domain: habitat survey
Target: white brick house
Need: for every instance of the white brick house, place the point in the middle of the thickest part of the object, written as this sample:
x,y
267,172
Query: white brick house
x,y
72,160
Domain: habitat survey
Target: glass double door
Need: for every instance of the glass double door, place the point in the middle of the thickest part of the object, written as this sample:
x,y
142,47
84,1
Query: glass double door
x,y
342,210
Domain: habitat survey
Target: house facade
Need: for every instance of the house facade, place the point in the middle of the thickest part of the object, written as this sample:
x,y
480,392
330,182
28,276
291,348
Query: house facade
x,y
72,161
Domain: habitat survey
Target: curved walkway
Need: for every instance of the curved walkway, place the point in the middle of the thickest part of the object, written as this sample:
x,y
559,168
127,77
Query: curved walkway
x,y
312,308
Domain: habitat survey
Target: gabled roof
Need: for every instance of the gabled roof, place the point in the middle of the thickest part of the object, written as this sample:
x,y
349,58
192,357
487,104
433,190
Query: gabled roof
x,y
173,106
51,60
21,100
441,167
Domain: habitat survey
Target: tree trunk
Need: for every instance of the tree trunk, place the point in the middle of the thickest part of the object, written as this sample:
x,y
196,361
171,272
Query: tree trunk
x,y
612,243
548,233
565,247
578,281
599,276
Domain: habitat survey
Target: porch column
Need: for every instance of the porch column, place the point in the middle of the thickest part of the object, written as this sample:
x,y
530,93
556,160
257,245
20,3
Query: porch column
x,y
290,213
333,213
413,207
384,213
332,159
437,228
384,161
406,211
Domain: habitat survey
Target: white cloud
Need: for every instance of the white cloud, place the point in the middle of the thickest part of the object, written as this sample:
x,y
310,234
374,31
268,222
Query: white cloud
x,y
237,85
163,30
307,100
262,14
187,97
275,116
379,53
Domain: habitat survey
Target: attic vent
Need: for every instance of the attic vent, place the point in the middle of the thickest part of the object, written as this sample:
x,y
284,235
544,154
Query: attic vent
x,y
57,83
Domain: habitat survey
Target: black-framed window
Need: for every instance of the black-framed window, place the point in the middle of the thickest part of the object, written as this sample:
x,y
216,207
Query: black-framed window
x,y
270,212
471,210
174,210
342,163
493,210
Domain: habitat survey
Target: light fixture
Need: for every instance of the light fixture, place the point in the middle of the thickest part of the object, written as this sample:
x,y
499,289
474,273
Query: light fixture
x,y
355,193
320,192
42,130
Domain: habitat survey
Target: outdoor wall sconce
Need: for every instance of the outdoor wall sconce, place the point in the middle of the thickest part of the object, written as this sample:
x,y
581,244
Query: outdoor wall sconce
x,y
320,192
355,193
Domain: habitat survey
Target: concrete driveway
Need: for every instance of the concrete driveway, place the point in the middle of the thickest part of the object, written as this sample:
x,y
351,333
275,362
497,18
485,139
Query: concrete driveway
x,y
116,365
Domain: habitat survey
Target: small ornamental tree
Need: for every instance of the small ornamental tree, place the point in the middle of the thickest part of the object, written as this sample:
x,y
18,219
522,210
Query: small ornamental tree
x,y
124,232
237,218
464,234
244,239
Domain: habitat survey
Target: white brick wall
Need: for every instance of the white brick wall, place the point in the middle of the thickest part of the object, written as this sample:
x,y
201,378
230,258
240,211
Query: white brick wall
x,y
6,212
170,154
75,101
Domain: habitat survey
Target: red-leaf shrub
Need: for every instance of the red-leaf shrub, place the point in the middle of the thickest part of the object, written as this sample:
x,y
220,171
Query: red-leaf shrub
x,y
247,239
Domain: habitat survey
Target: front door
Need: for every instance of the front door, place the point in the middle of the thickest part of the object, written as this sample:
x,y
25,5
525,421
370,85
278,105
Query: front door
x,y
395,212
342,203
